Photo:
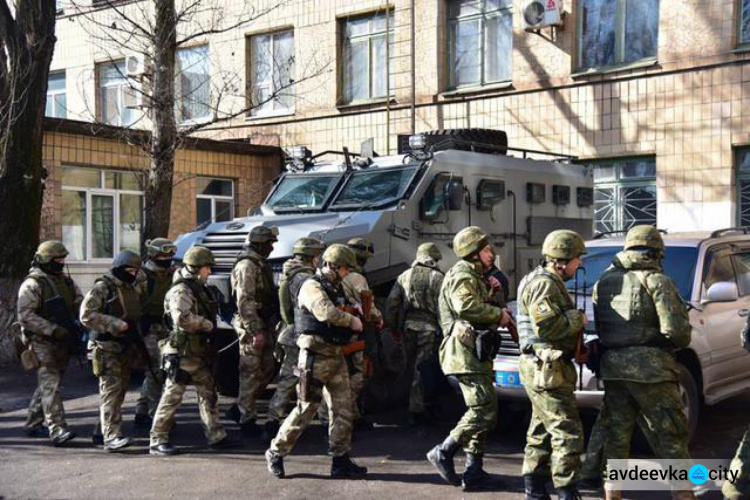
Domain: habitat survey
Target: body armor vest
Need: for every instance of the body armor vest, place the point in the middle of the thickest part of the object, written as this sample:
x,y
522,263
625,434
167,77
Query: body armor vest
x,y
306,322
158,284
626,313
53,286
268,298
289,289
526,335
194,343
419,284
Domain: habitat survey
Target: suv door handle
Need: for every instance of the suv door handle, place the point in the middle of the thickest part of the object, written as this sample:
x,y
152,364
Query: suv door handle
x,y
743,313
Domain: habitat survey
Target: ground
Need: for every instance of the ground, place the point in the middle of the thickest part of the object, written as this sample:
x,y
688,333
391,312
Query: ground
x,y
393,452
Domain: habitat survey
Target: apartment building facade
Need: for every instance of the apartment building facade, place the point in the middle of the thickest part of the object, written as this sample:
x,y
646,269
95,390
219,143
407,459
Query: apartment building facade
x,y
654,93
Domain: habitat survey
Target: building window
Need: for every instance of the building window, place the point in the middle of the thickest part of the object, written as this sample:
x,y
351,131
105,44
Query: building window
x,y
113,85
744,22
193,85
367,70
215,200
742,160
480,42
624,193
615,32
57,104
102,213
272,73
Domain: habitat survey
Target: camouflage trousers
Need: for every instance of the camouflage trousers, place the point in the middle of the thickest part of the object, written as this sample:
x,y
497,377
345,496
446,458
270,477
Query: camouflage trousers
x,y
112,363
356,366
554,441
152,388
330,382
46,403
256,368
422,344
286,387
208,403
741,466
481,412
661,408
594,464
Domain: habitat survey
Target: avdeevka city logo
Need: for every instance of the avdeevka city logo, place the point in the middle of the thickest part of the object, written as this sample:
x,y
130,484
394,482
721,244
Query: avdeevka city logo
x,y
698,474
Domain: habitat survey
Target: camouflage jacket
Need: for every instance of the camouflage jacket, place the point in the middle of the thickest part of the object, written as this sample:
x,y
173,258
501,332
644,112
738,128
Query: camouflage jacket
x,y
354,284
640,319
253,288
152,284
183,308
31,301
416,293
547,317
463,308
314,299
108,305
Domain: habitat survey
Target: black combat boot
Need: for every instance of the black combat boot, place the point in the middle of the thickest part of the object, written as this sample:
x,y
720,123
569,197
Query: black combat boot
x,y
441,457
343,467
476,478
270,430
569,492
63,438
535,487
275,463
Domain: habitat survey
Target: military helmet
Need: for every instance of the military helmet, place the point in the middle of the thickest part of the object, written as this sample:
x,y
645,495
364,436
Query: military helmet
x,y
340,255
363,248
429,250
308,246
563,244
469,240
262,234
644,236
50,250
127,258
160,246
198,256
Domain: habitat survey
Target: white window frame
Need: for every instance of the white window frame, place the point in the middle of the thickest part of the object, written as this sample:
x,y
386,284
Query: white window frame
x,y
178,92
102,191
52,93
216,197
371,34
121,86
275,108
482,17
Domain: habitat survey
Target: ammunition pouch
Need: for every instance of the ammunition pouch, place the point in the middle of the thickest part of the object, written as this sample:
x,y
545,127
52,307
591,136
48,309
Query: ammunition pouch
x,y
29,359
487,344
190,344
170,363
549,374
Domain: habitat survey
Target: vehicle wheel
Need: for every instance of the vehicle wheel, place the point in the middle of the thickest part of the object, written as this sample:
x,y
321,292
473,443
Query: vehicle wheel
x,y
690,398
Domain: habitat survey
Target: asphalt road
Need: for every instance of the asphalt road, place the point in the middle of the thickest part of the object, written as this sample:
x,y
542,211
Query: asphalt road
x,y
393,452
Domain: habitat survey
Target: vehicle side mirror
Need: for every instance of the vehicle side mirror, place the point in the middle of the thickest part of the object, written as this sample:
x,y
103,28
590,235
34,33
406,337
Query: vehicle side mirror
x,y
454,195
722,291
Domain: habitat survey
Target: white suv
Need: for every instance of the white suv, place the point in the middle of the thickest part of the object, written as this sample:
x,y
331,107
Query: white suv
x,y
712,273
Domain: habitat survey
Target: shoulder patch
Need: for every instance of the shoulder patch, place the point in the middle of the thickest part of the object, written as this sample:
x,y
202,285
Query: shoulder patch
x,y
542,310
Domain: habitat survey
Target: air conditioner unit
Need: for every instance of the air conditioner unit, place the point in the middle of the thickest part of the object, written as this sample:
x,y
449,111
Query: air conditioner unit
x,y
542,13
132,97
135,65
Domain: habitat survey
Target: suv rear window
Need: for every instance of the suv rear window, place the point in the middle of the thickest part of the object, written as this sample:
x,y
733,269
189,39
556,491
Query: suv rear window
x,y
679,264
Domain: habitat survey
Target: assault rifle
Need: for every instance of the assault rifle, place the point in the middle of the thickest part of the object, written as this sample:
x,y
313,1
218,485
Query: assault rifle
x,y
135,337
62,316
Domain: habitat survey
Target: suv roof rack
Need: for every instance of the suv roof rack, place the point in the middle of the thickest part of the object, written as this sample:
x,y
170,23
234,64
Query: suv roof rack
x,y
599,236
453,143
723,232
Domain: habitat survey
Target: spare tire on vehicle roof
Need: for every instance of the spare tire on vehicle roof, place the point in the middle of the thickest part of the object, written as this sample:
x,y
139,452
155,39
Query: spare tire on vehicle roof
x,y
497,140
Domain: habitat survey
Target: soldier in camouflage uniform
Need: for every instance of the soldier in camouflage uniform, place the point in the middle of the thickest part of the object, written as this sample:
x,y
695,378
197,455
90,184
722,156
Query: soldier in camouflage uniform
x,y
323,328
464,312
111,311
187,355
255,322
152,283
641,320
741,461
414,297
354,284
297,270
50,341
548,327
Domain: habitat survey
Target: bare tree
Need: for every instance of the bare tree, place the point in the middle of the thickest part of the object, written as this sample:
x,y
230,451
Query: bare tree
x,y
157,30
27,40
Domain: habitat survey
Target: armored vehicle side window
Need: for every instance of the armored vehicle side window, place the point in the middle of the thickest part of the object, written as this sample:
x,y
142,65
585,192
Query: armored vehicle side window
x,y
490,193
436,199
375,187
718,268
303,192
